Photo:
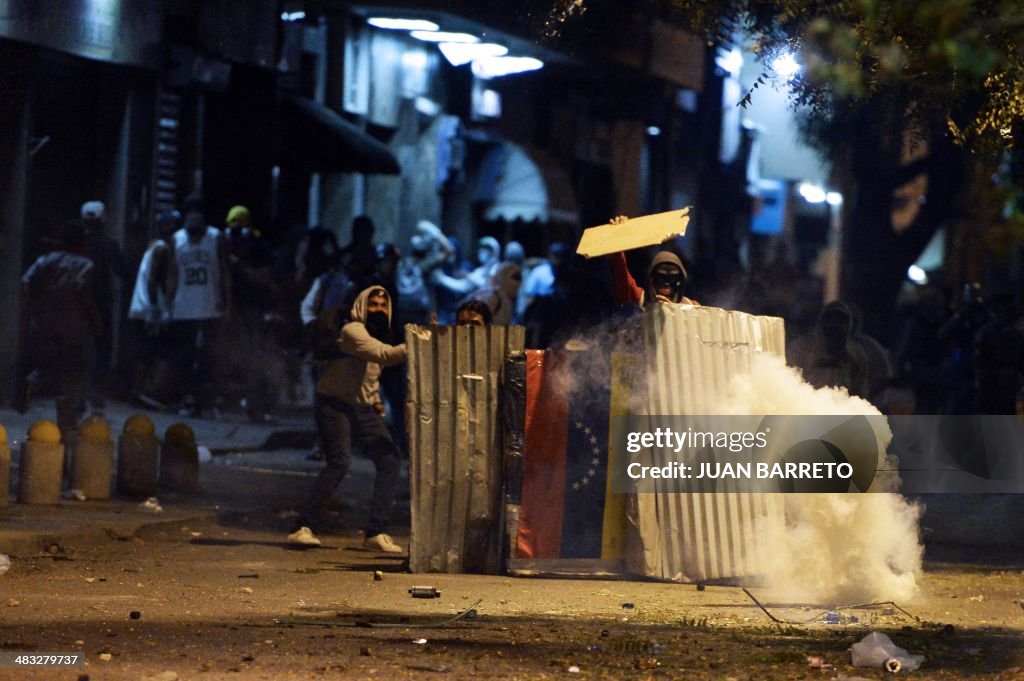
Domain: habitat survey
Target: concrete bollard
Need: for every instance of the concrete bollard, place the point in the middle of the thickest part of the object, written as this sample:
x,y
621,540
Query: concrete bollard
x,y
179,460
42,465
138,453
5,467
92,460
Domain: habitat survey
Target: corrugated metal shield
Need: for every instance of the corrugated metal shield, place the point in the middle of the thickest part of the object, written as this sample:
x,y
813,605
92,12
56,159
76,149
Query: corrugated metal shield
x,y
455,446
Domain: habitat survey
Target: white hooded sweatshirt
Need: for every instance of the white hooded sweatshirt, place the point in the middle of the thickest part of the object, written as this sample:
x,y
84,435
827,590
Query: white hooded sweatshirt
x,y
355,378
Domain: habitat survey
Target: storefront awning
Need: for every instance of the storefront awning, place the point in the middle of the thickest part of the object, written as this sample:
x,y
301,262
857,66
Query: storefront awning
x,y
520,185
316,137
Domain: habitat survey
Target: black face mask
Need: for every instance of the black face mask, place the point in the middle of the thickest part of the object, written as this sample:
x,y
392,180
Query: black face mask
x,y
670,278
378,326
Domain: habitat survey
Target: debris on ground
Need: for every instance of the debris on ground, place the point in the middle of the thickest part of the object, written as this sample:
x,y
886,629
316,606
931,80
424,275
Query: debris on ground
x,y
877,650
378,576
151,505
73,495
162,676
5,563
424,592
439,669
403,622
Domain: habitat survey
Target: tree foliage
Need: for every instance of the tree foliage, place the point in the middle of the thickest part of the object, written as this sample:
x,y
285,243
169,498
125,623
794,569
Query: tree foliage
x,y
957,61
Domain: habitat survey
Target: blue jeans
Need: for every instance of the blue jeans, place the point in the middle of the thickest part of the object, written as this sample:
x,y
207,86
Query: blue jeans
x,y
339,424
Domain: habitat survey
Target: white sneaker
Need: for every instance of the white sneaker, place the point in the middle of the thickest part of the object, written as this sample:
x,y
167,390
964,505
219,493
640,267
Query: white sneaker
x,y
382,542
303,537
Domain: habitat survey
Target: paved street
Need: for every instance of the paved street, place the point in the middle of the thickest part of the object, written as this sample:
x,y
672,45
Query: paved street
x,y
210,590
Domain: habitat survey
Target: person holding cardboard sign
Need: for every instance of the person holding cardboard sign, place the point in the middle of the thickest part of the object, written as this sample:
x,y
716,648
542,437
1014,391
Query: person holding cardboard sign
x,y
666,278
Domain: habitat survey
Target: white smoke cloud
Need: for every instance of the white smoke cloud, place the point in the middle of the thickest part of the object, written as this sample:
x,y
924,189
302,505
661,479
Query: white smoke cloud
x,y
831,548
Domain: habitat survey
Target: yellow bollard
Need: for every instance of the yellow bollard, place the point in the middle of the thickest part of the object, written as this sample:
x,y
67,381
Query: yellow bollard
x,y
179,460
5,467
138,453
42,465
92,461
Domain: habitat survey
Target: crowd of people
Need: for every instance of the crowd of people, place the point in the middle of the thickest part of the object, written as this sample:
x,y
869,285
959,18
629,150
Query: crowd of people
x,y
218,316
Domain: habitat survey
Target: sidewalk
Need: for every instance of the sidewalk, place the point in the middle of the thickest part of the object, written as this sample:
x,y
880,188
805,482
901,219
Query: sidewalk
x,y
231,433
30,530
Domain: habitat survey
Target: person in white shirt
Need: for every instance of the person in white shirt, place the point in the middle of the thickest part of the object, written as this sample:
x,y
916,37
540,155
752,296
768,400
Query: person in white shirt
x,y
200,299
150,309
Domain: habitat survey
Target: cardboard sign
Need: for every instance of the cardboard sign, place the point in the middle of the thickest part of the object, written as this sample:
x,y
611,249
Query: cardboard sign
x,y
647,230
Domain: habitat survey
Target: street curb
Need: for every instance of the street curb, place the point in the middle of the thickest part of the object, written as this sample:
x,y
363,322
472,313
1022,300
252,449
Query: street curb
x,y
72,534
284,438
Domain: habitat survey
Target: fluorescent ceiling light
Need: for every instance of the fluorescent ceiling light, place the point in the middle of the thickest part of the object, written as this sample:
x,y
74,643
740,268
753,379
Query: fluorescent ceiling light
x,y
458,54
834,198
444,37
402,24
653,130
495,67
293,16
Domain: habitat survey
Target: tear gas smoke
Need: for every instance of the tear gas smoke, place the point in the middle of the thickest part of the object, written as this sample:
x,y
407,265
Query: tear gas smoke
x,y
831,548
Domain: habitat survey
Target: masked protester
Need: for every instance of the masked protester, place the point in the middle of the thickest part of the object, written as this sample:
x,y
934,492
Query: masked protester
x,y
429,248
349,410
488,254
828,357
666,279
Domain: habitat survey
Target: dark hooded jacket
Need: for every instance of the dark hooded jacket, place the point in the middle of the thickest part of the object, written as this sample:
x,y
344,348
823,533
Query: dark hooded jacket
x,y
663,257
355,378
625,288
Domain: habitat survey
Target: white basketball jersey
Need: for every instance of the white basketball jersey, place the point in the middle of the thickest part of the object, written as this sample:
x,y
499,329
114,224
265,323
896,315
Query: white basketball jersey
x,y
199,292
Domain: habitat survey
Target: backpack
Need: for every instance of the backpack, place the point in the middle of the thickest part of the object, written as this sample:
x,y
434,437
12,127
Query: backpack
x,y
331,308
